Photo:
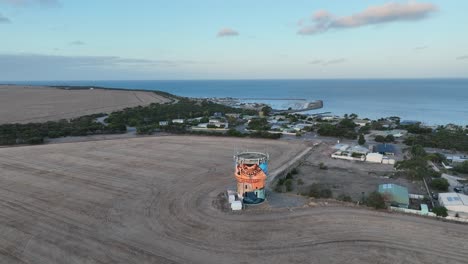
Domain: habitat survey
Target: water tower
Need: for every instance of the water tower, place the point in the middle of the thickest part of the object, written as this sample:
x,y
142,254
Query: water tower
x,y
251,174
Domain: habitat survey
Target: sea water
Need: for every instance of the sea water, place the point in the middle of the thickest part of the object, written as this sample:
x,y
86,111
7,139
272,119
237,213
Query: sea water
x,y
432,101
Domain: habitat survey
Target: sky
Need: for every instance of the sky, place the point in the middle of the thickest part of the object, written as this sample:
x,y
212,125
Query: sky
x,y
243,39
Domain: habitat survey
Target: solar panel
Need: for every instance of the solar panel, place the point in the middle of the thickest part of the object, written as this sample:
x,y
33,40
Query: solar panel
x,y
449,199
456,199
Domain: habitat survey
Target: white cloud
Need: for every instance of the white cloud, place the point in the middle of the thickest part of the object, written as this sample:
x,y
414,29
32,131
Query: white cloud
x,y
4,20
77,43
24,3
227,32
327,62
386,13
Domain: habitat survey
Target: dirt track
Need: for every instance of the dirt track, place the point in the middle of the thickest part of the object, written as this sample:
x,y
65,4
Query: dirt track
x,y
149,200
22,104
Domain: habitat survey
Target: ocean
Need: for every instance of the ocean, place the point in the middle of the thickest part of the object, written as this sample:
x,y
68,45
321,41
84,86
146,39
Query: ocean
x,y
431,101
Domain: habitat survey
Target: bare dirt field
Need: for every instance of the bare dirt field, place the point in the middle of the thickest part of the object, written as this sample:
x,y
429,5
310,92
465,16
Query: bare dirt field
x,y
150,200
351,178
23,104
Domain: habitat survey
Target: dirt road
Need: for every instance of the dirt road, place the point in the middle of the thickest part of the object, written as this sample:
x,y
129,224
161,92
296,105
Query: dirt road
x,y
149,200
24,104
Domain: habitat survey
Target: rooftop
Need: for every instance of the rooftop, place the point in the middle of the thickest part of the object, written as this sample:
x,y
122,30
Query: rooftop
x,y
385,148
399,194
449,199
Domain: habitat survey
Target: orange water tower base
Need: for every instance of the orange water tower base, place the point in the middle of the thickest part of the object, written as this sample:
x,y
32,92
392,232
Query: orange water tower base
x,y
251,174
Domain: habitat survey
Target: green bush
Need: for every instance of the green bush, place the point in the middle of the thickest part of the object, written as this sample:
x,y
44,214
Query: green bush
x,y
376,200
440,184
279,188
361,140
318,191
379,138
389,138
300,182
440,211
322,166
280,182
461,168
289,185
344,198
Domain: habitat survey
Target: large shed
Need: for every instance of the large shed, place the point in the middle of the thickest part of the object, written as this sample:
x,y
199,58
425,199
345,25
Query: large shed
x,y
385,149
456,203
394,194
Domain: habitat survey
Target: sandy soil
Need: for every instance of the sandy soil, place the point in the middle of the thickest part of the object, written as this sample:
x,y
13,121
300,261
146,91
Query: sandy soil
x,y
150,200
22,104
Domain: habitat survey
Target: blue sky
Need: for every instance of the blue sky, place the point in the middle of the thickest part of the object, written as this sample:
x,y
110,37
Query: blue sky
x,y
244,39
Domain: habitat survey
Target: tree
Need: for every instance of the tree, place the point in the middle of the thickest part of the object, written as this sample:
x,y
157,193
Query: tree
x,y
440,184
379,138
436,157
289,185
440,211
259,124
376,200
266,110
361,140
462,167
418,151
389,138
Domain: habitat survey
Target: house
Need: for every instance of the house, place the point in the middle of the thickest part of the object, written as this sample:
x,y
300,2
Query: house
x,y
361,122
409,122
385,149
233,115
341,147
359,150
178,121
374,157
300,127
456,203
214,121
457,158
395,195
163,123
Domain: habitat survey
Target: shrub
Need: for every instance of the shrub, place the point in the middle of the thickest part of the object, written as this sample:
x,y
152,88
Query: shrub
x,y
294,171
361,140
389,138
462,168
322,166
440,184
300,182
379,138
289,185
376,200
440,211
344,198
318,191
280,182
279,188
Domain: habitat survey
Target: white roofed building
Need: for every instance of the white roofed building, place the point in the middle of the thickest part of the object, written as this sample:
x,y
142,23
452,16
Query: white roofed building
x,y
455,203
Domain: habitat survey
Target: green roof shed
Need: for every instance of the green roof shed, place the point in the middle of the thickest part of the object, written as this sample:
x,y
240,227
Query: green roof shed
x,y
395,194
